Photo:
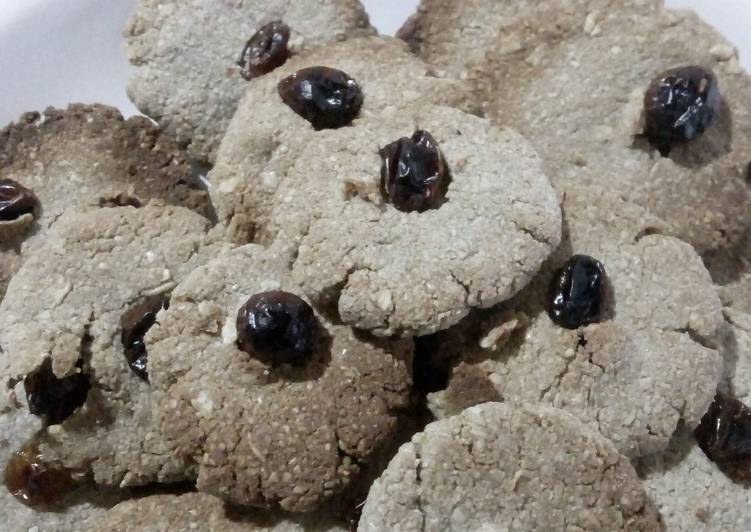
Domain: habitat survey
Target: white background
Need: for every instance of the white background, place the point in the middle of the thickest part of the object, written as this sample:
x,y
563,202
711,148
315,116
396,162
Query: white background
x,y
53,52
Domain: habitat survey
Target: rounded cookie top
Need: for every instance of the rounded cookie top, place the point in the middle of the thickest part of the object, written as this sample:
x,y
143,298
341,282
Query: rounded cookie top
x,y
646,365
197,511
185,54
698,187
498,467
264,433
266,135
62,334
579,96
407,273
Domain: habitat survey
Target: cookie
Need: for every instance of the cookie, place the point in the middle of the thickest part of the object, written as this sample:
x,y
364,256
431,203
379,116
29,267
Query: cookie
x,y
691,493
497,467
648,362
185,54
87,156
81,509
198,511
389,271
690,490
266,425
64,335
573,79
265,137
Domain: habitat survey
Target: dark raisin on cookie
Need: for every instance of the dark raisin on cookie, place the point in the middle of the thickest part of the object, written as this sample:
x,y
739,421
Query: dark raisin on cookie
x,y
577,292
680,104
265,51
414,175
52,397
15,200
277,327
134,325
724,435
33,481
326,97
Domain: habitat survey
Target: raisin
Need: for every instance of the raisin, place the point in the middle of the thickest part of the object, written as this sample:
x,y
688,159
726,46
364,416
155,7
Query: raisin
x,y
52,397
680,105
33,481
326,97
724,435
578,292
135,324
414,175
15,200
265,51
277,327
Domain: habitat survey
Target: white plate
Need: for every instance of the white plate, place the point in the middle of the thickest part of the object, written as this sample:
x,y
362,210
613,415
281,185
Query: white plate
x,y
53,52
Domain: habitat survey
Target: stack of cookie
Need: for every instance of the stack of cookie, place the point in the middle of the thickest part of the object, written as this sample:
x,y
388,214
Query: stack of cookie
x,y
494,277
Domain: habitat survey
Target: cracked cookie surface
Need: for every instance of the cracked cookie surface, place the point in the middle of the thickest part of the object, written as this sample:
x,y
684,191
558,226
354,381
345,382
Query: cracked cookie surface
x,y
185,54
63,312
498,467
652,363
264,434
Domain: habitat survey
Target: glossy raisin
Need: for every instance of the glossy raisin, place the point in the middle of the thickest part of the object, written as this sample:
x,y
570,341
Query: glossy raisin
x,y
326,97
33,481
578,292
680,105
277,327
724,435
414,175
134,325
15,200
265,51
54,398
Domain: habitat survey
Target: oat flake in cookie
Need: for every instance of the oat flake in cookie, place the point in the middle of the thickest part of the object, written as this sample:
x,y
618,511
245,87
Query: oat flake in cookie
x,y
201,512
260,431
85,156
185,54
650,361
572,77
61,326
501,467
